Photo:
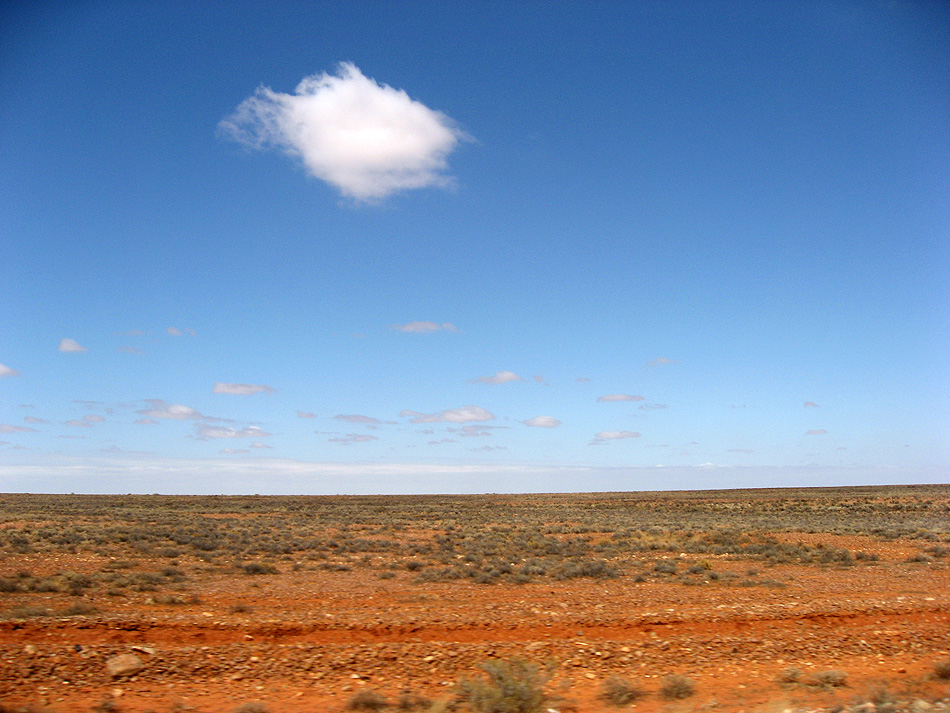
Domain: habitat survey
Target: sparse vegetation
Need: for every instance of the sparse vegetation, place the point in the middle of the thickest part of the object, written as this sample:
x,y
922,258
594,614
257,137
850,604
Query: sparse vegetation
x,y
511,686
619,691
367,700
676,686
830,679
942,670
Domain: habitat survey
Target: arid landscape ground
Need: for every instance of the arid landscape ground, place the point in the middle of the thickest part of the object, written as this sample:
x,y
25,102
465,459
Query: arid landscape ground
x,y
754,600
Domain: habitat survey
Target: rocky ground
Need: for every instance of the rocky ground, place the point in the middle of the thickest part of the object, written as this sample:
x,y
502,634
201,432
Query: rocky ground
x,y
308,641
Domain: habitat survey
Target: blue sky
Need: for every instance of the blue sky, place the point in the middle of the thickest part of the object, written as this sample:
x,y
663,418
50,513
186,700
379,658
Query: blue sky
x,y
469,247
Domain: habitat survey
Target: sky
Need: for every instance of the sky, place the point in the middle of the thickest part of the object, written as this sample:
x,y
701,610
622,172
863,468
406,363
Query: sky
x,y
381,247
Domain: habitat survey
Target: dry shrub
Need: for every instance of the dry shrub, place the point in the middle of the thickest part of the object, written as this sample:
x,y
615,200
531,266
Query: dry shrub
x,y
512,686
367,701
620,692
675,687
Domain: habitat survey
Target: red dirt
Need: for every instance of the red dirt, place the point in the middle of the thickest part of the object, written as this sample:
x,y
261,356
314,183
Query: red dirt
x,y
313,638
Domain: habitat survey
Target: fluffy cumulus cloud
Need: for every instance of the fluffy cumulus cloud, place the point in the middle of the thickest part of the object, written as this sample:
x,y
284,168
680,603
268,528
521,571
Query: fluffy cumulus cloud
x,y
542,422
242,389
366,139
619,397
7,371
204,432
71,345
463,414
500,377
423,327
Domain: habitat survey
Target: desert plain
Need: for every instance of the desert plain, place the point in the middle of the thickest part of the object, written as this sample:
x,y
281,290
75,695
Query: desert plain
x,y
817,599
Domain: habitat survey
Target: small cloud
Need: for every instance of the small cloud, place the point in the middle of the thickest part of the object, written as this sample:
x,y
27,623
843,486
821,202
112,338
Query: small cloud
x,y
538,378
489,448
542,422
441,441
258,444
811,404
357,418
620,397
653,407
365,139
204,432
93,418
146,421
174,412
500,377
306,414
173,331
740,450
816,432
471,431
611,435
7,371
661,361
34,419
232,451
132,333
605,436
351,438
81,424
462,414
191,332
423,327
242,389
125,349
7,428
71,345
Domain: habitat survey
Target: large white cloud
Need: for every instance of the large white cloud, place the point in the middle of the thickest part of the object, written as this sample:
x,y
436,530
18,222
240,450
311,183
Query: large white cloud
x,y
71,345
463,414
242,389
7,371
367,140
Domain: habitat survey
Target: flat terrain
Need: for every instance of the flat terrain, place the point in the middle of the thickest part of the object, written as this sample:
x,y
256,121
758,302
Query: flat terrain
x,y
766,600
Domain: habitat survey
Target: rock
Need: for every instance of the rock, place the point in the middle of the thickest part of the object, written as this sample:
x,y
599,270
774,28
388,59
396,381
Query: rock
x,y
144,649
124,665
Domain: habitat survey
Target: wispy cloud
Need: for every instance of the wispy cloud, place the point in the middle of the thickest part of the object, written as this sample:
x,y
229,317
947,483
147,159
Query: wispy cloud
x,y
146,421
620,397
351,438
174,331
174,412
7,371
816,432
741,450
93,418
652,407
81,424
34,419
661,361
233,451
542,422
811,404
471,431
463,414
204,432
7,428
365,139
357,418
71,345
582,379
242,389
125,349
424,327
258,444
306,414
604,436
500,377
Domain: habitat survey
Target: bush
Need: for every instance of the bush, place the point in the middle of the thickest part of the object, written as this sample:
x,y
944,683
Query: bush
x,y
790,675
513,686
942,670
259,568
366,701
830,679
675,687
252,707
620,692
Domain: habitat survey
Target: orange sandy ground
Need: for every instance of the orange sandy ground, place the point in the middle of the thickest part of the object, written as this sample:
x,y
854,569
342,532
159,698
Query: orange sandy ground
x,y
313,638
